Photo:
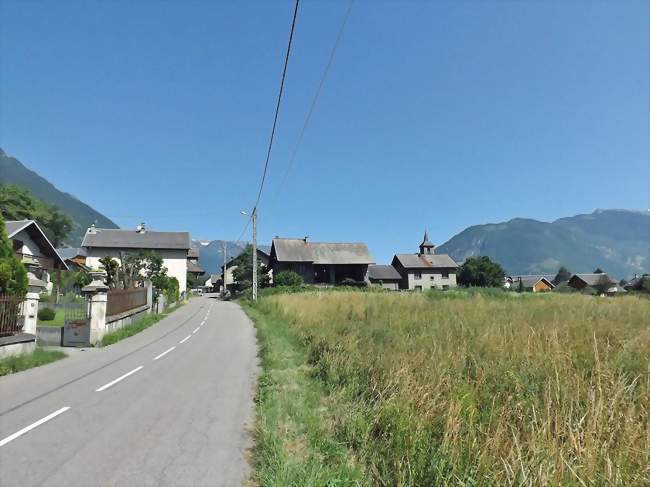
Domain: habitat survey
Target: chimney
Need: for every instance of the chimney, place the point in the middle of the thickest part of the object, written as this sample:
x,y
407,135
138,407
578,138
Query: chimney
x,y
140,228
92,230
305,238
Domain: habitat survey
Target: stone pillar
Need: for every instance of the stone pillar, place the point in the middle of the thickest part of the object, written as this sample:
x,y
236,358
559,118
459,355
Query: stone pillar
x,y
30,305
97,300
149,287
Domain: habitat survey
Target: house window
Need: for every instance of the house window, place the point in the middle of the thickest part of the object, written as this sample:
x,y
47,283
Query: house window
x,y
417,276
418,288
432,277
445,274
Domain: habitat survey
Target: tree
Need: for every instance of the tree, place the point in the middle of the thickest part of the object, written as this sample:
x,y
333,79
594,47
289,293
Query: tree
x,y
481,272
243,274
13,276
599,271
17,203
288,278
111,267
563,274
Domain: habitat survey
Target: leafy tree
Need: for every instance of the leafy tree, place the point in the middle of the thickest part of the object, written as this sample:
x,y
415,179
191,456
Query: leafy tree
x,y
13,276
288,278
480,272
243,274
563,274
111,267
17,203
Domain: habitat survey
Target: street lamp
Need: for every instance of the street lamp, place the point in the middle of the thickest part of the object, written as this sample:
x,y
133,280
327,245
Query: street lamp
x,y
254,218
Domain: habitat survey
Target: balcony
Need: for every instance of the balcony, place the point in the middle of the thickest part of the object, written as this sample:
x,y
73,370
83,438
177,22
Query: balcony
x,y
36,260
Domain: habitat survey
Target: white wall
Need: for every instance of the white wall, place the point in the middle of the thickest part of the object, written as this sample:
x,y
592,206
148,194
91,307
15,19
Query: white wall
x,y
29,246
431,279
174,260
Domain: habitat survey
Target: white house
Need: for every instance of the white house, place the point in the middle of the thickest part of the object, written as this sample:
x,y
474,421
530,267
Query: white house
x,y
34,250
173,247
426,269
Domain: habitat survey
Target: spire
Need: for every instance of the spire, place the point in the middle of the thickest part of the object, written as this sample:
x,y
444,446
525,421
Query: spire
x,y
426,247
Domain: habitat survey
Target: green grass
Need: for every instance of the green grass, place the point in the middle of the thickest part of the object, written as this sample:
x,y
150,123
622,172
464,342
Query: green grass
x,y
137,327
294,445
59,319
474,388
39,356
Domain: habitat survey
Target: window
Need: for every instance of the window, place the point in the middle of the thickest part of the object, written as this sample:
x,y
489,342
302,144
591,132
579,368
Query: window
x,y
445,274
445,287
417,275
432,277
418,288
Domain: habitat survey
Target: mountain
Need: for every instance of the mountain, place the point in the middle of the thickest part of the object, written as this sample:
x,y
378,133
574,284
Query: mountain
x,y
211,253
12,171
618,241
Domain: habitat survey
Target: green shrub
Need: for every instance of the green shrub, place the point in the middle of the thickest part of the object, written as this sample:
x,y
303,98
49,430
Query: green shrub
x,y
46,314
288,279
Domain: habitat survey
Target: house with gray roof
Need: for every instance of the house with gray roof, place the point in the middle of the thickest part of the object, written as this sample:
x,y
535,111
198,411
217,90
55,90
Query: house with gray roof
x,y
425,269
530,283
385,276
599,282
320,262
173,247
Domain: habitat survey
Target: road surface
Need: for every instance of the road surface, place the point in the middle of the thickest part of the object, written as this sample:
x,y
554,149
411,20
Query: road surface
x,y
172,406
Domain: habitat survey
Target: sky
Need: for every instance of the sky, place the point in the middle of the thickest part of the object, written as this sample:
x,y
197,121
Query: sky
x,y
436,115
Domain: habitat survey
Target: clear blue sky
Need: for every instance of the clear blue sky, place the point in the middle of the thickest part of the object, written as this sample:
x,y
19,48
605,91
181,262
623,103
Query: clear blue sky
x,y
435,114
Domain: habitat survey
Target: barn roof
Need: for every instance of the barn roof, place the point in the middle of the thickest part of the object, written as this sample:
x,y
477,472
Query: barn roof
x,y
383,273
425,261
530,281
593,279
132,239
300,250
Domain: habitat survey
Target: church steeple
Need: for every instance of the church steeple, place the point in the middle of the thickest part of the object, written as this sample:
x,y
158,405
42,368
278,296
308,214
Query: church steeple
x,y
426,247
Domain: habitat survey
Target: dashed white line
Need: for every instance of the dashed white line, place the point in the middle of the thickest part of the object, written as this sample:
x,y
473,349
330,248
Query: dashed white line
x,y
164,353
186,339
113,382
33,425
195,330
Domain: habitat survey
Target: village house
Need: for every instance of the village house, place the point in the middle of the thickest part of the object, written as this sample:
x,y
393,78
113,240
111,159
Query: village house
x,y
530,283
601,283
319,262
193,266
262,259
385,276
173,247
34,250
426,269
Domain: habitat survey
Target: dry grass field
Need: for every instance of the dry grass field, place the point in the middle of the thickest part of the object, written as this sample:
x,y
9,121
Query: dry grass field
x,y
455,389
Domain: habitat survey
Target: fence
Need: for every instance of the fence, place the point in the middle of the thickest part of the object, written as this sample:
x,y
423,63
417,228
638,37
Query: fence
x,y
10,314
121,300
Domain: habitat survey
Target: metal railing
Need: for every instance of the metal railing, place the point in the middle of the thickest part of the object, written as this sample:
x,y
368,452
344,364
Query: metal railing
x,y
11,322
121,300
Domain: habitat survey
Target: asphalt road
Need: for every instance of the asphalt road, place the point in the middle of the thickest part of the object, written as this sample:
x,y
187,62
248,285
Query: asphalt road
x,y
170,406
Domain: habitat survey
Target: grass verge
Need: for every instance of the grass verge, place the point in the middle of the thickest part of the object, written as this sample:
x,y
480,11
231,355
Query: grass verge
x,y
59,319
137,327
294,443
40,356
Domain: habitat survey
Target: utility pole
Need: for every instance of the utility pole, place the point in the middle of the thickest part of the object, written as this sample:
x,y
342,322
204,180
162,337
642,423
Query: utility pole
x,y
254,217
225,271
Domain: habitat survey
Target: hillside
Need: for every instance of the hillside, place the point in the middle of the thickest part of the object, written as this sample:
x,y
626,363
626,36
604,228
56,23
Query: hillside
x,y
618,241
12,171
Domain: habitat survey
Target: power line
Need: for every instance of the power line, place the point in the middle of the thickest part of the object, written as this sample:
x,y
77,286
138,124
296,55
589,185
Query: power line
x,y
314,100
275,120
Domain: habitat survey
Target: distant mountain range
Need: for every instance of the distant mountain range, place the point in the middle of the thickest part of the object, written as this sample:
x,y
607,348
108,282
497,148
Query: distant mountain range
x,y
618,241
12,171
211,253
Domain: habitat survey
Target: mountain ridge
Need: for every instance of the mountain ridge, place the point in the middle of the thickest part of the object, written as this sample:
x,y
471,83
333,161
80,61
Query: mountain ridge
x,y
13,171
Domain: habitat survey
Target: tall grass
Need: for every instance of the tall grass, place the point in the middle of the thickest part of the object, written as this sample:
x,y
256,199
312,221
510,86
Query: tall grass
x,y
482,390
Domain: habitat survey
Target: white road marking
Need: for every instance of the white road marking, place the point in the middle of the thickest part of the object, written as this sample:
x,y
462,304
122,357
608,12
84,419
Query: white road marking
x,y
33,425
113,382
186,339
165,352
195,330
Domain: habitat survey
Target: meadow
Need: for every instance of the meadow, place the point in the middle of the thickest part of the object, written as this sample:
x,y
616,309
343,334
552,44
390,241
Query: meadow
x,y
453,389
